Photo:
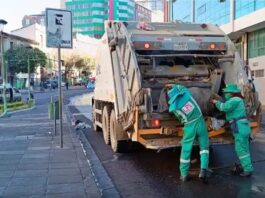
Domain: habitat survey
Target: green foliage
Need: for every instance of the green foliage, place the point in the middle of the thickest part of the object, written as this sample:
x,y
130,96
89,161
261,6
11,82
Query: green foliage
x,y
20,56
83,64
13,105
18,105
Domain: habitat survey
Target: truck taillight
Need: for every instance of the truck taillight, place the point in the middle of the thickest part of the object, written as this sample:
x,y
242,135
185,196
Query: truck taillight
x,y
146,45
212,46
155,123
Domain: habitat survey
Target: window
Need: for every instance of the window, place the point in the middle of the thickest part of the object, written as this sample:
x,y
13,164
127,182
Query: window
x,y
11,45
41,40
187,18
256,43
201,9
27,21
259,73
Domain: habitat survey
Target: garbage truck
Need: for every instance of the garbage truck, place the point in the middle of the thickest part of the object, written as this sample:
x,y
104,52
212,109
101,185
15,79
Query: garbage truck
x,y
136,64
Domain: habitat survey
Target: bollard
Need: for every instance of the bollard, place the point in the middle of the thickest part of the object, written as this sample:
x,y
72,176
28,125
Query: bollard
x,y
54,113
55,126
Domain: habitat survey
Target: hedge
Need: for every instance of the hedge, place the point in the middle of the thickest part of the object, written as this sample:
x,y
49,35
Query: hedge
x,y
18,105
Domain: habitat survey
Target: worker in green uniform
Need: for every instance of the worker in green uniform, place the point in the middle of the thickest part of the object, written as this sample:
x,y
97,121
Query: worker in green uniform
x,y
186,109
236,115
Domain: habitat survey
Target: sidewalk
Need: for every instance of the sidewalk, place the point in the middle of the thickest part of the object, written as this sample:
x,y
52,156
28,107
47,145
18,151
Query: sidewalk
x,y
32,164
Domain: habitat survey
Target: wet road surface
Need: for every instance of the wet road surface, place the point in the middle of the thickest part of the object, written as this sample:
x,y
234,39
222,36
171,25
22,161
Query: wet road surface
x,y
146,173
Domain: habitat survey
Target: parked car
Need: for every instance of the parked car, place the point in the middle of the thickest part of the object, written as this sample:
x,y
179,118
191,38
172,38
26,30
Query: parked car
x,y
12,94
50,84
90,85
16,95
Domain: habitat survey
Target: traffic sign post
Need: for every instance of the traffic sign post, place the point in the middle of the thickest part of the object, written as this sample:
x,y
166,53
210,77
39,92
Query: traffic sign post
x,y
59,35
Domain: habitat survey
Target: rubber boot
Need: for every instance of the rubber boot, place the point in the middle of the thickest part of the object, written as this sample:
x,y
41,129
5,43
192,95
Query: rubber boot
x,y
245,174
204,175
184,178
237,169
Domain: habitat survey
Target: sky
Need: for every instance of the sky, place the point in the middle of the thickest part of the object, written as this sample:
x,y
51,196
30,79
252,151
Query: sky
x,y
14,10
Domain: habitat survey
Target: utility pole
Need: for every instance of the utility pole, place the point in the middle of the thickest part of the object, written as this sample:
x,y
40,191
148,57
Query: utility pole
x,y
29,95
29,79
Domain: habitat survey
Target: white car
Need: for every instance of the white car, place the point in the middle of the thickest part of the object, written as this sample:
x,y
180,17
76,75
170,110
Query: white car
x,y
9,91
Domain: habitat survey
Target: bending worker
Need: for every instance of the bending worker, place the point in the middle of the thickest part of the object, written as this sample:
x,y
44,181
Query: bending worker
x,y
236,115
186,109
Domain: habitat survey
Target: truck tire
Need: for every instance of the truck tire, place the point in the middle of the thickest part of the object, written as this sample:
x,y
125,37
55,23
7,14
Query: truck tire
x,y
95,127
117,145
106,124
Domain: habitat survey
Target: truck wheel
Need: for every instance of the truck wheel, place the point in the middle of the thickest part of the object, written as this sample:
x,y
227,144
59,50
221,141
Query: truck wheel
x,y
95,127
106,124
118,146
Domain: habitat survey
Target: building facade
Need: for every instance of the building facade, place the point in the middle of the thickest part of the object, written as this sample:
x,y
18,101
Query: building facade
x,y
152,4
32,19
142,13
89,15
9,42
242,20
156,7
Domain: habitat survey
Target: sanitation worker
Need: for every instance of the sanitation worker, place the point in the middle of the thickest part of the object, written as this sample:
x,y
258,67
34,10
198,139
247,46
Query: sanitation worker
x,y
186,109
236,115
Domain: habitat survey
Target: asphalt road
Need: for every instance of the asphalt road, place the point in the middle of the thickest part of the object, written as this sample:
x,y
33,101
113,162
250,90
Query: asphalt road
x,y
146,173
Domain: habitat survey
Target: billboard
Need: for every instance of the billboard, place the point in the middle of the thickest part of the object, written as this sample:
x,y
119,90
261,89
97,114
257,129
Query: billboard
x,y
58,28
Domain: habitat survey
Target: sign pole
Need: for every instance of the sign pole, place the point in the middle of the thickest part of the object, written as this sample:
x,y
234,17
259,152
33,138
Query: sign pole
x,y
59,35
60,95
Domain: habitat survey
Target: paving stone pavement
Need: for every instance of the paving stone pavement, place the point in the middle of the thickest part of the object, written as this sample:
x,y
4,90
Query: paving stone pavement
x,y
32,164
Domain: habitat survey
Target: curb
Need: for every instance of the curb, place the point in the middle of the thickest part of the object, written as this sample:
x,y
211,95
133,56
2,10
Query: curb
x,y
103,181
21,110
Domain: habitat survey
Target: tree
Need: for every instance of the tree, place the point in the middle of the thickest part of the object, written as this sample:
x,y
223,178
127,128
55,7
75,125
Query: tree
x,y
19,57
83,64
90,63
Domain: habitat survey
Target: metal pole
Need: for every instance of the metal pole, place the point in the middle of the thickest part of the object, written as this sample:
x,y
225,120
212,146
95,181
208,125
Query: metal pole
x,y
193,11
60,96
29,79
172,10
54,110
3,76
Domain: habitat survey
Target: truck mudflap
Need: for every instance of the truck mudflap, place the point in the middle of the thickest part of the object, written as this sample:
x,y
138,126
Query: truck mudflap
x,y
164,138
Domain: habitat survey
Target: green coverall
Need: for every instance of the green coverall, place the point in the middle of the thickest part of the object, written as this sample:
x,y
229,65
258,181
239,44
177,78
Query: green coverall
x,y
186,109
235,109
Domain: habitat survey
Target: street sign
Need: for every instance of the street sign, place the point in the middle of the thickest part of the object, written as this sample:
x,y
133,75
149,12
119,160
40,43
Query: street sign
x,y
58,28
59,35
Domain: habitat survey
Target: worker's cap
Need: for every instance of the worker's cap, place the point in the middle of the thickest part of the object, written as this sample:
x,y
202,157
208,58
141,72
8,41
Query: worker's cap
x,y
231,88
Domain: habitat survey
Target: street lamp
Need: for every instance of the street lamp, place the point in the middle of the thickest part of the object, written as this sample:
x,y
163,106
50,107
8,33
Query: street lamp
x,y
3,70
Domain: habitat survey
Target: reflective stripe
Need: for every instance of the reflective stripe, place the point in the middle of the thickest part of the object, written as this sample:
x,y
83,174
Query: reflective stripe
x,y
244,156
221,106
244,119
184,161
204,152
194,120
184,117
